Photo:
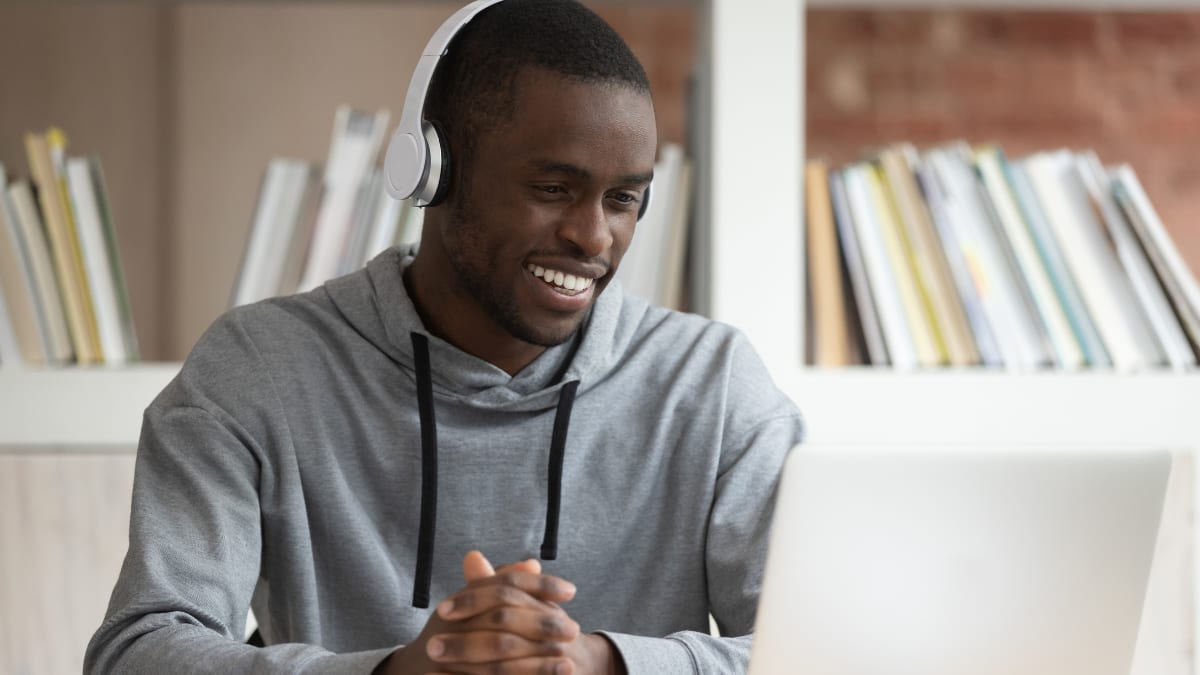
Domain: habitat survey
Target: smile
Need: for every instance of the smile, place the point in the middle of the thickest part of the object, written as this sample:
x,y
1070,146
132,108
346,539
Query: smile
x,y
561,281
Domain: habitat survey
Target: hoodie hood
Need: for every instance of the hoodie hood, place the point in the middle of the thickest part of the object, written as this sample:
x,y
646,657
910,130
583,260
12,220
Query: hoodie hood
x,y
375,301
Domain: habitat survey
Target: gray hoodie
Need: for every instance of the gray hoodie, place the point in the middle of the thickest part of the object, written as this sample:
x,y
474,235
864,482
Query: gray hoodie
x,y
282,469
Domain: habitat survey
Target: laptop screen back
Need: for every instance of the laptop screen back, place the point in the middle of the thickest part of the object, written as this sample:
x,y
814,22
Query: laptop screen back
x,y
979,562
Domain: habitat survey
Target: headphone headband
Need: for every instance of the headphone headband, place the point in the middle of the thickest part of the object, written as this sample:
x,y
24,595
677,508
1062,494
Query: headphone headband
x,y
417,160
407,167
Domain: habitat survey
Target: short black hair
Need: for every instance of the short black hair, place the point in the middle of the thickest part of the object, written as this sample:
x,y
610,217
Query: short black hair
x,y
473,88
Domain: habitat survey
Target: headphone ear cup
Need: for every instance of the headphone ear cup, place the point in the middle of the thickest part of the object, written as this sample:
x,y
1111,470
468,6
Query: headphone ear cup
x,y
645,203
437,184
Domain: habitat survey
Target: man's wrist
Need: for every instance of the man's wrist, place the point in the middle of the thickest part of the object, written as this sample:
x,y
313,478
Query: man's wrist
x,y
605,655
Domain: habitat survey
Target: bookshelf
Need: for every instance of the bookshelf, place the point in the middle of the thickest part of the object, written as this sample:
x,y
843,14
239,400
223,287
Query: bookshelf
x,y
749,157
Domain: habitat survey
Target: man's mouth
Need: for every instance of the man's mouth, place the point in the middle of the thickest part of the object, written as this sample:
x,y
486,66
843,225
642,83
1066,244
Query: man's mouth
x,y
568,284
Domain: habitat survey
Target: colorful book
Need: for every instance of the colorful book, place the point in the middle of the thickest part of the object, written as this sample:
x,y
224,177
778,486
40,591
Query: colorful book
x,y
64,246
830,343
17,289
1067,351
37,250
951,328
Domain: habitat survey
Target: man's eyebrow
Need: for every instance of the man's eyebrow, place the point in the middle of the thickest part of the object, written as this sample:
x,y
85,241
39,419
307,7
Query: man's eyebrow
x,y
569,169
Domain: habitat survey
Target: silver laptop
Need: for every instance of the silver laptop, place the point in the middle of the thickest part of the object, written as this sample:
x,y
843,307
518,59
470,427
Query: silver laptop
x,y
964,562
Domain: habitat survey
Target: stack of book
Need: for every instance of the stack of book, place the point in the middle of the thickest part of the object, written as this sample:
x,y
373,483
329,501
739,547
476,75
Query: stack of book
x,y
63,297
957,256
312,224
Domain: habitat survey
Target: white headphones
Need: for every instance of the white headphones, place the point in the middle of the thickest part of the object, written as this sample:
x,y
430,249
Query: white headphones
x,y
418,157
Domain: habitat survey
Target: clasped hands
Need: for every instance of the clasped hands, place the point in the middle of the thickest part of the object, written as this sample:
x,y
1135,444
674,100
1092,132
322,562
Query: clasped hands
x,y
504,621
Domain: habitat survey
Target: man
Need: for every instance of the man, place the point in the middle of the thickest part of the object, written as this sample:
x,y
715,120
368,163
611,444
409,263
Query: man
x,y
334,459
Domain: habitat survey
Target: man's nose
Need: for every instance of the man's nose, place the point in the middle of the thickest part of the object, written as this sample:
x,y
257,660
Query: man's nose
x,y
588,227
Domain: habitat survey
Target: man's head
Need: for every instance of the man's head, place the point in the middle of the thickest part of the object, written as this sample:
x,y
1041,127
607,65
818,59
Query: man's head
x,y
473,88
552,142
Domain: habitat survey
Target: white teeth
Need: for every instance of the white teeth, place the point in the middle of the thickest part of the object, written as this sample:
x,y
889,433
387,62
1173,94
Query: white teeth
x,y
565,281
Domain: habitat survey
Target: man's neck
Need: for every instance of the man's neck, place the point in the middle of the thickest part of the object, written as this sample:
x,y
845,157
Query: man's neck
x,y
451,314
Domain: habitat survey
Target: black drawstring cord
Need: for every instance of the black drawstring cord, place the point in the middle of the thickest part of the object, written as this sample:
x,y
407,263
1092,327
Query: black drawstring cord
x,y
558,445
429,472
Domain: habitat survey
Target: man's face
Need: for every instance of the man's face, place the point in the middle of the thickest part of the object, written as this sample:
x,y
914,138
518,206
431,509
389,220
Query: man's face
x,y
549,202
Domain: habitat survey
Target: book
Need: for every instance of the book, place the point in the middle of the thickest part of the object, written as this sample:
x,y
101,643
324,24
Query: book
x,y
10,351
654,254
920,321
1094,352
120,286
64,247
37,251
17,290
962,266
1067,351
353,150
387,223
1172,270
98,267
856,273
1105,287
893,320
934,282
282,198
829,343
1149,292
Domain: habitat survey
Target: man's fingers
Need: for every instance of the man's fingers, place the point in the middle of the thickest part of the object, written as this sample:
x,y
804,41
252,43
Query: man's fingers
x,y
487,647
529,666
533,624
476,566
511,588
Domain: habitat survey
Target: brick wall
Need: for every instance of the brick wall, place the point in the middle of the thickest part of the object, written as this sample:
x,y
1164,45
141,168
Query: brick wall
x,y
1124,84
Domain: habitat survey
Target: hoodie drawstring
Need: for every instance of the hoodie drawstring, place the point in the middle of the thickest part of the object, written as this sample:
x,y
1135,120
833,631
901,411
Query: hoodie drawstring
x,y
558,447
429,473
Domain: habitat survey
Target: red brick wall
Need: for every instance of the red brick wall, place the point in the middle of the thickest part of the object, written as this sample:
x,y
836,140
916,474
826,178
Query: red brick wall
x,y
1124,84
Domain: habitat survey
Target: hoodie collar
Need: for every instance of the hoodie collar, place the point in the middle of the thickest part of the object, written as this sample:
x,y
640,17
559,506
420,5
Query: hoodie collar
x,y
377,303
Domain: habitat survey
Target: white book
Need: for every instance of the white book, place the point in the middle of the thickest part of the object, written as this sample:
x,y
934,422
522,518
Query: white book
x,y
670,282
868,315
385,225
353,150
280,205
1067,351
994,283
1065,287
96,264
50,304
1172,269
902,351
642,267
361,221
1151,297
10,352
1103,283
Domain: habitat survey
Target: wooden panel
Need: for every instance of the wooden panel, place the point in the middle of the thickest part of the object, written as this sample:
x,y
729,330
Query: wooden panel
x,y
64,521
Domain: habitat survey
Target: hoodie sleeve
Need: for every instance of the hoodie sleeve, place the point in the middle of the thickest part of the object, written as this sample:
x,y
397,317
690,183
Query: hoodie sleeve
x,y
761,425
180,602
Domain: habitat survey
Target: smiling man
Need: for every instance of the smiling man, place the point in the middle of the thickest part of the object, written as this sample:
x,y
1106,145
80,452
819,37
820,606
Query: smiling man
x,y
337,459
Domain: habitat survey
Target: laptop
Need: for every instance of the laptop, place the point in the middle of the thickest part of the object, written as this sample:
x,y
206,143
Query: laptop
x,y
958,562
